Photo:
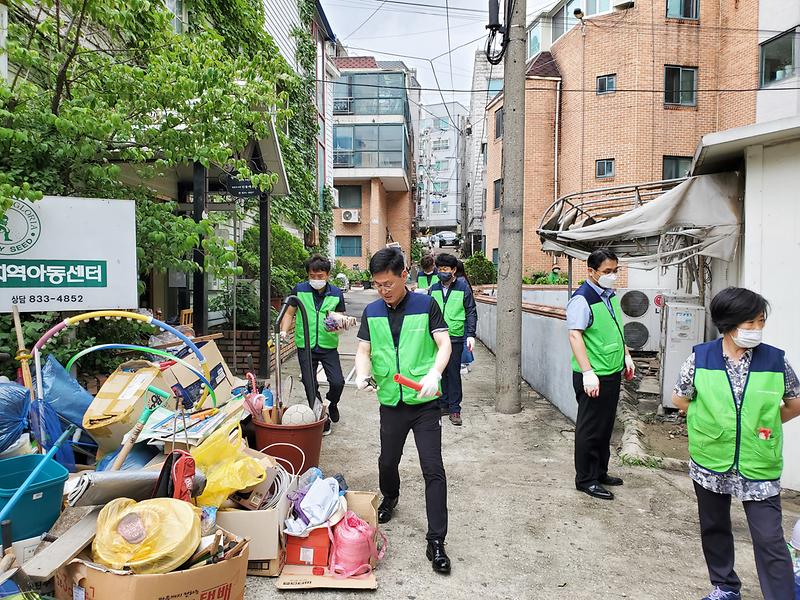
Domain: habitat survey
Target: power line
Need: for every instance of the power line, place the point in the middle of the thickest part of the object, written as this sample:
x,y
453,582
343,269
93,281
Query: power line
x,y
425,5
449,45
372,14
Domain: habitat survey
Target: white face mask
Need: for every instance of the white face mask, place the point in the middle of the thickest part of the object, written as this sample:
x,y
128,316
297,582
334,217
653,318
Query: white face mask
x,y
607,281
317,284
748,338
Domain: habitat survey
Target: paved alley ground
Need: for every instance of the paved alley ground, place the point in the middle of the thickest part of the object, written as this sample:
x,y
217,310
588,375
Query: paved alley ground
x,y
518,528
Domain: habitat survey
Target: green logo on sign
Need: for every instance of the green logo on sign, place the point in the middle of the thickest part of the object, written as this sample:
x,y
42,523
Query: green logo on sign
x,y
20,228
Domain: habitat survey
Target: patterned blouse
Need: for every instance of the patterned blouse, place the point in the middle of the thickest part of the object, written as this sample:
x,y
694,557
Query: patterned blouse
x,y
732,482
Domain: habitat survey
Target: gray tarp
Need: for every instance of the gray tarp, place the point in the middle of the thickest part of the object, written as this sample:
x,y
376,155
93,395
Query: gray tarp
x,y
707,209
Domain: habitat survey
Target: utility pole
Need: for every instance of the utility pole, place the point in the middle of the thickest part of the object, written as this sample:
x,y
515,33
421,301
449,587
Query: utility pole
x,y
462,186
509,277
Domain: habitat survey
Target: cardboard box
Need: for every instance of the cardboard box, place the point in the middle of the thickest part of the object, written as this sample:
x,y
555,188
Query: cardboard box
x,y
263,527
267,568
221,377
296,577
84,580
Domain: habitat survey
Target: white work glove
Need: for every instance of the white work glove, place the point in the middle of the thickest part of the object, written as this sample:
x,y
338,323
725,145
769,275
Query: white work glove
x,y
430,384
591,384
630,367
470,344
284,335
362,382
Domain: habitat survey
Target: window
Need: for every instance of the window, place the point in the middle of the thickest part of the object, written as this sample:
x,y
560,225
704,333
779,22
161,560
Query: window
x,y
349,196
441,187
676,167
604,168
176,7
443,124
369,146
607,84
498,192
498,124
483,202
535,39
679,85
496,257
594,7
494,87
441,144
559,21
348,245
370,94
484,154
779,57
683,9
442,165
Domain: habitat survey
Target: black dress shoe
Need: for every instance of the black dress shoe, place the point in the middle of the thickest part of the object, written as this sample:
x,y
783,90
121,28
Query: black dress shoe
x,y
333,412
596,491
611,480
386,509
438,557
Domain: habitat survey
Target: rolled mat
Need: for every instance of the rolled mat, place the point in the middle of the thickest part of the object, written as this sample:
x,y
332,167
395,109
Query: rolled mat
x,y
100,487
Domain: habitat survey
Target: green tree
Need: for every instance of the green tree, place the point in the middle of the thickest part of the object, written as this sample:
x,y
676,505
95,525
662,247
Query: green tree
x,y
480,270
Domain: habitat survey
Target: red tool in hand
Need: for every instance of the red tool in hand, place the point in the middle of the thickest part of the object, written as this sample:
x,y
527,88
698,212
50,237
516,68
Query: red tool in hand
x,y
410,383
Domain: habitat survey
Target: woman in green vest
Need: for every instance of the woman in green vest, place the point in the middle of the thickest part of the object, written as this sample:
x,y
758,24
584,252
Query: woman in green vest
x,y
737,392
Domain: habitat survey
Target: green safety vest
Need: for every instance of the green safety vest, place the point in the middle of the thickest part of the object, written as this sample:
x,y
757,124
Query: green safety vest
x,y
603,338
413,357
452,308
723,436
317,334
425,281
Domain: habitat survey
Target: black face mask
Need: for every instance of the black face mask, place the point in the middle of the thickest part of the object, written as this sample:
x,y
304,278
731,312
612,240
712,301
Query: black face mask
x,y
445,277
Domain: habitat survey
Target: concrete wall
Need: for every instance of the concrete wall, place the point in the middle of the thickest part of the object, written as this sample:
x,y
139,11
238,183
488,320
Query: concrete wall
x,y
545,354
771,238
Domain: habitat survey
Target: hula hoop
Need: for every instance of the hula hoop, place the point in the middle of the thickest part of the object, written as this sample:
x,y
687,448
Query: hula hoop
x,y
144,349
131,316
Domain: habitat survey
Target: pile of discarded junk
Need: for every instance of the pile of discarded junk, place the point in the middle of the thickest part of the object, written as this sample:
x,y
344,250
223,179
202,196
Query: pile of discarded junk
x,y
176,480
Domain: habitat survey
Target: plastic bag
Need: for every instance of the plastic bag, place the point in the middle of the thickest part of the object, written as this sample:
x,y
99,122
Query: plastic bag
x,y
63,393
354,547
227,468
15,400
52,430
151,536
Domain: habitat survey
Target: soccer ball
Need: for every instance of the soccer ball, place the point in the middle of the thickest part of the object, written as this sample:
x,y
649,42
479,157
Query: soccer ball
x,y
298,414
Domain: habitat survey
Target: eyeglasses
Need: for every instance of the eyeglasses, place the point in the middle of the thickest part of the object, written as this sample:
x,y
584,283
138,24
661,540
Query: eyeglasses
x,y
383,286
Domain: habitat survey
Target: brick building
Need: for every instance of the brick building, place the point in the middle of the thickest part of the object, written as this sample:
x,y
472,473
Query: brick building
x,y
621,98
373,157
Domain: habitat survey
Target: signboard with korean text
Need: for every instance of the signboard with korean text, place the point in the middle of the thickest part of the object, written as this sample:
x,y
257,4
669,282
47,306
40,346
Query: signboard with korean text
x,y
65,253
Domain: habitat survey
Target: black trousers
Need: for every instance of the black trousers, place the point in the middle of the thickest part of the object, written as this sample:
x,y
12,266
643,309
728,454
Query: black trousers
x,y
424,420
451,380
773,562
331,366
593,428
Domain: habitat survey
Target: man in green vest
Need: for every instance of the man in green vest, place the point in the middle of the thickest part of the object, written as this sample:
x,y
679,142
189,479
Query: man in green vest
x,y
594,321
319,297
405,333
426,276
737,393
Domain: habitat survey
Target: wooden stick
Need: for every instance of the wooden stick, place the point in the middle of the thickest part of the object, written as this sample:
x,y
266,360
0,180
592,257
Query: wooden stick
x,y
22,352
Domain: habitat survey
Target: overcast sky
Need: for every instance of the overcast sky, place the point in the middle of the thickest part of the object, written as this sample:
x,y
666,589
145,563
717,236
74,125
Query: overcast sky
x,y
414,31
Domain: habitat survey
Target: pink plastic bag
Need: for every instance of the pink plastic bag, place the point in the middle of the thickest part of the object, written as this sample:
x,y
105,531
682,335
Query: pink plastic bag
x,y
353,546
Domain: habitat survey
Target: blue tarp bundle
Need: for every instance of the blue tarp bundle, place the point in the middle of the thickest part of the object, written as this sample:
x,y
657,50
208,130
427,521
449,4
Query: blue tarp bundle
x,y
15,402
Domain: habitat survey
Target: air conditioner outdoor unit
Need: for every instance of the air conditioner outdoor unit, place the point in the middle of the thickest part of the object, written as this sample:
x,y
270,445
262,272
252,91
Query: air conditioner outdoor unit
x,y
684,328
351,216
641,310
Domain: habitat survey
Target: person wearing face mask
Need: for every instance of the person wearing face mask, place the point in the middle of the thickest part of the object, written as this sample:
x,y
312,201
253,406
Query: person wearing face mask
x,y
737,392
594,321
454,297
319,297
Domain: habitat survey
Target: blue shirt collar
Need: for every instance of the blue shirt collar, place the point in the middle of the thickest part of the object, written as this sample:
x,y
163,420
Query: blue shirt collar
x,y
602,292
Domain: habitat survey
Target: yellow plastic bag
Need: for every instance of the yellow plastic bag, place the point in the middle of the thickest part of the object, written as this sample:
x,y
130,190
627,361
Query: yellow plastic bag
x,y
151,536
226,467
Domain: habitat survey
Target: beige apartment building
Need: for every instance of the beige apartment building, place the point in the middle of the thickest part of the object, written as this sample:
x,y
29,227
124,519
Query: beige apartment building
x,y
373,157
620,97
